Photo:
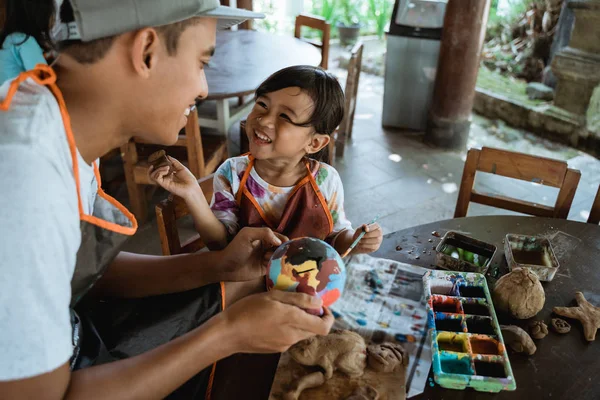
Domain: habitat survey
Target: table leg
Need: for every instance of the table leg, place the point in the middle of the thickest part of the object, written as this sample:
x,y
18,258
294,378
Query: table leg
x,y
223,117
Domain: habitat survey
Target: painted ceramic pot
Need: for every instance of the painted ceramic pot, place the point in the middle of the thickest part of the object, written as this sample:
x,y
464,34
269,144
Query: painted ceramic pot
x,y
307,265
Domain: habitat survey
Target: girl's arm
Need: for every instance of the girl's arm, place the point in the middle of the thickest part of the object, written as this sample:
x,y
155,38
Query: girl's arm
x,y
177,179
211,230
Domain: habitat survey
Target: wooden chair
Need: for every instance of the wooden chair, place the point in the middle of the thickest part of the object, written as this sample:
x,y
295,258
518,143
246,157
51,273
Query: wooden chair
x,y
318,23
202,155
169,211
525,167
344,132
594,217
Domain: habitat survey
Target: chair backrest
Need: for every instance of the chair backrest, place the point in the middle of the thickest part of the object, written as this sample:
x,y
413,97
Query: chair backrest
x,y
169,211
594,217
351,90
525,167
319,23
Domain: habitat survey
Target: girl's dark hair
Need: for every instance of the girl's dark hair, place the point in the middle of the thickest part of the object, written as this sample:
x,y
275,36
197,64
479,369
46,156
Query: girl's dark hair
x,y
320,85
31,17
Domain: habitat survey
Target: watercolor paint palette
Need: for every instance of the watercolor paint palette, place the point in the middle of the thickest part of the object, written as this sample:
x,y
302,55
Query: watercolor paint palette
x,y
467,345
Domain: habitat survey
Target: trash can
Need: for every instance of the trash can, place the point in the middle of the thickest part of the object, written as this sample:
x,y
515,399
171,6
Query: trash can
x,y
413,46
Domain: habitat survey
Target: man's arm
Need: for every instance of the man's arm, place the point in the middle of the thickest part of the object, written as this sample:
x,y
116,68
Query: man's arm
x,y
263,323
137,275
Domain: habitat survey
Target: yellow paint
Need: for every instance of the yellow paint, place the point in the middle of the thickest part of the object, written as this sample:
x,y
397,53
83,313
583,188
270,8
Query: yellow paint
x,y
287,279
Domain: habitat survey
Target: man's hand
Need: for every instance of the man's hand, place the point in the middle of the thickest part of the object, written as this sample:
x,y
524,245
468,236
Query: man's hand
x,y
272,322
245,258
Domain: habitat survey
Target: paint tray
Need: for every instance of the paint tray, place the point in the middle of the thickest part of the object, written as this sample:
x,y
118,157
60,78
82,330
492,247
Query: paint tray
x,y
467,346
532,252
458,252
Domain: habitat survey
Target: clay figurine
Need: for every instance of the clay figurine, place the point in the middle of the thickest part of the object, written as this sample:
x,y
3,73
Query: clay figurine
x,y
586,313
159,159
520,293
560,325
517,339
538,329
341,350
364,393
386,357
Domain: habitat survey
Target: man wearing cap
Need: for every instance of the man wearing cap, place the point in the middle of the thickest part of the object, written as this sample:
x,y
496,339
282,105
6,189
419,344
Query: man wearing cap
x,y
80,319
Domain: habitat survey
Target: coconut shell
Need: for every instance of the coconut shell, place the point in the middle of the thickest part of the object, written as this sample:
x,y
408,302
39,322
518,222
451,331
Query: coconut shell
x,y
519,293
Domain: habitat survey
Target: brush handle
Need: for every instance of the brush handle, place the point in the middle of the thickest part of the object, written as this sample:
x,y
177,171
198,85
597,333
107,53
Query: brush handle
x,y
363,233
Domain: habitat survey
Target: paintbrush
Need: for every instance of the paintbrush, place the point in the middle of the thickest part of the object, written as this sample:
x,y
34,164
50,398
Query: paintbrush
x,y
353,245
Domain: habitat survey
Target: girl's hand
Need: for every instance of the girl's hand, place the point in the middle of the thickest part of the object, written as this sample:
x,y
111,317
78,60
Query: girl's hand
x,y
370,242
180,181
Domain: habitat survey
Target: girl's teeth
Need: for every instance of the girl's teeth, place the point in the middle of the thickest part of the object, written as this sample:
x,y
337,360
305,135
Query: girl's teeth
x,y
264,138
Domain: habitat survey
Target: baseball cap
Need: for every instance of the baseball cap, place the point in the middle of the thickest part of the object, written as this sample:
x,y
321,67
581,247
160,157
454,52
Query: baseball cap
x,y
95,19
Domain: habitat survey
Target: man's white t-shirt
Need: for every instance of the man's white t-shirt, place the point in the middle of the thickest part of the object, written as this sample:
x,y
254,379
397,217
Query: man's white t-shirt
x,y
39,233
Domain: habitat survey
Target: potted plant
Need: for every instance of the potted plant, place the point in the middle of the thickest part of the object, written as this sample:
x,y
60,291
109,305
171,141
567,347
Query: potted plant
x,y
348,24
380,12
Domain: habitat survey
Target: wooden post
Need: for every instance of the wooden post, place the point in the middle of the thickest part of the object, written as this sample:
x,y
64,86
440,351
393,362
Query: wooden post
x,y
245,4
454,91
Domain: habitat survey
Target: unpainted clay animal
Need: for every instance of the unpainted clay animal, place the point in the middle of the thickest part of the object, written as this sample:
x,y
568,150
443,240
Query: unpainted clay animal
x,y
517,339
341,350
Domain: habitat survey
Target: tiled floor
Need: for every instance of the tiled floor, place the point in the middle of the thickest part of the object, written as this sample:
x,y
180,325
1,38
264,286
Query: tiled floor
x,y
394,175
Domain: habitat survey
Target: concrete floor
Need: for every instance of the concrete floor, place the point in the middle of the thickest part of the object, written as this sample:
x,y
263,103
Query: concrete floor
x,y
395,175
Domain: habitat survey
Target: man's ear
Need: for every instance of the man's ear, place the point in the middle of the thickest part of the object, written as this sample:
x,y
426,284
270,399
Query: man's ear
x,y
317,142
144,52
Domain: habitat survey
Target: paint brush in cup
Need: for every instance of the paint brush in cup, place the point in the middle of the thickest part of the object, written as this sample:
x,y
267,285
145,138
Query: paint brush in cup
x,y
353,245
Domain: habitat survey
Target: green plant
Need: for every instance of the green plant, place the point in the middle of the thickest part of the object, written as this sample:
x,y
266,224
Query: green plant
x,y
326,9
380,11
350,12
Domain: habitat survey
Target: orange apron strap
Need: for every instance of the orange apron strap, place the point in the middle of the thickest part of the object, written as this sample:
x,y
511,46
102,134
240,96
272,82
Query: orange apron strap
x,y
240,192
315,187
44,75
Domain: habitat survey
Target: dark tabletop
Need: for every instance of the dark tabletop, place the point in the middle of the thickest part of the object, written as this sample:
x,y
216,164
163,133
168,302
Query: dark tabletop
x,y
564,366
244,58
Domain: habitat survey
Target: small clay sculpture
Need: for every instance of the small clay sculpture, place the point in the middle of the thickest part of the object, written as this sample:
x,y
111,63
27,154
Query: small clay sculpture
x,y
386,357
313,380
520,293
364,393
343,351
538,329
517,339
159,159
586,313
560,325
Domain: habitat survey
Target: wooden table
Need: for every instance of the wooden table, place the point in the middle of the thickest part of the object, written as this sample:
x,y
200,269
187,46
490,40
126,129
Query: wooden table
x,y
243,60
564,366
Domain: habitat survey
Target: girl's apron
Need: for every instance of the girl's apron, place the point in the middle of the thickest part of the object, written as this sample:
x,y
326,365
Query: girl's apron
x,y
113,329
306,213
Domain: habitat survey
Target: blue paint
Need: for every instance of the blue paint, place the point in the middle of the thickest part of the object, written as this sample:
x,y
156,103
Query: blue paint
x,y
361,322
336,314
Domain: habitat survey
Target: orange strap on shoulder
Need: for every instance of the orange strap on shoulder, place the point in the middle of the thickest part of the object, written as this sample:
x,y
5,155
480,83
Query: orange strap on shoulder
x,y
240,192
44,75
